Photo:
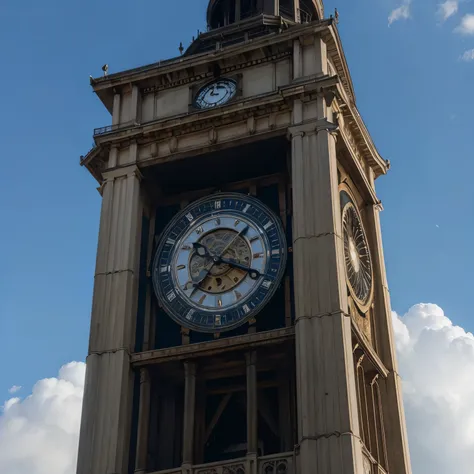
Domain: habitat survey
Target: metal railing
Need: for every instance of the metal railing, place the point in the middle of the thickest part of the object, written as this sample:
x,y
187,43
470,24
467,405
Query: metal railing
x,y
114,128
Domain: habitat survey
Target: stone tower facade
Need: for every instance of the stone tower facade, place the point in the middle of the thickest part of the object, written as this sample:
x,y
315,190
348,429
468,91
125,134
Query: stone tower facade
x,y
241,320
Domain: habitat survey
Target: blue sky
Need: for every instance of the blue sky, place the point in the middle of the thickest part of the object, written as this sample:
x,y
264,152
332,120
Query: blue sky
x,y
413,91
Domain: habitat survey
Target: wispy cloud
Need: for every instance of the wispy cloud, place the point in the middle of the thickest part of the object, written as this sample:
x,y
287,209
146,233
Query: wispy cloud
x,y
14,389
468,56
400,13
448,9
466,27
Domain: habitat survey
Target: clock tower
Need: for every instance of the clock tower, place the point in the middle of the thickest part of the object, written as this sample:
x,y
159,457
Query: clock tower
x,y
241,319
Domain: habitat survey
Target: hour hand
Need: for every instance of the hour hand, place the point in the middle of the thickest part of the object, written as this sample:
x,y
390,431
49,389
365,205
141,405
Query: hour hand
x,y
201,250
253,274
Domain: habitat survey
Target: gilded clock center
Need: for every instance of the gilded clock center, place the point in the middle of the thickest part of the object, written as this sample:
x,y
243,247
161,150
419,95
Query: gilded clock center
x,y
222,277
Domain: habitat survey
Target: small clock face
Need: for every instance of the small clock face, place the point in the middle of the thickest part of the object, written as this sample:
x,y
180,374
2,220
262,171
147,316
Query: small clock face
x,y
357,255
215,94
219,262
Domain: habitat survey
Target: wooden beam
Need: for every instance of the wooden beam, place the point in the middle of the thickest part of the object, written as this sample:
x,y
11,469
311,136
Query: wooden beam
x,y
189,413
252,427
241,388
206,349
263,408
220,409
143,422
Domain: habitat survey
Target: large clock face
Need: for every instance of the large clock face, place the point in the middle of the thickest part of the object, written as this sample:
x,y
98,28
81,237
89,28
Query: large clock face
x,y
215,94
219,262
357,255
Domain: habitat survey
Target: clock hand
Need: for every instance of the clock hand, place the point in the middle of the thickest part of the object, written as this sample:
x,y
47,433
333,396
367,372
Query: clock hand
x,y
201,250
215,258
253,274
240,234
204,272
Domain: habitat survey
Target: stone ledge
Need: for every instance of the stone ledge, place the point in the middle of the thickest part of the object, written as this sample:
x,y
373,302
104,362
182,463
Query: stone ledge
x,y
205,349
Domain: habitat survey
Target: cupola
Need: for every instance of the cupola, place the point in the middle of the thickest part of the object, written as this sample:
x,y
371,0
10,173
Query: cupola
x,y
234,21
222,13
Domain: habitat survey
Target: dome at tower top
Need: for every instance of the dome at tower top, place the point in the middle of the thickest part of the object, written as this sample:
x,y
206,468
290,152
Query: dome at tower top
x,y
225,12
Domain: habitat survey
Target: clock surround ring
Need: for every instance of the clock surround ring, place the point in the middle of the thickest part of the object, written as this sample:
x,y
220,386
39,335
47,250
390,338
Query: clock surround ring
x,y
362,302
250,294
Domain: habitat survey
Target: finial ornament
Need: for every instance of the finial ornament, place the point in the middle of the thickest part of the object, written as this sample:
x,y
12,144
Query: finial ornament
x,y
181,49
336,15
105,68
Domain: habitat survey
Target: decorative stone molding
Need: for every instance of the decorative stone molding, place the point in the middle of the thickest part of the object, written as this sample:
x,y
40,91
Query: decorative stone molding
x,y
351,142
167,81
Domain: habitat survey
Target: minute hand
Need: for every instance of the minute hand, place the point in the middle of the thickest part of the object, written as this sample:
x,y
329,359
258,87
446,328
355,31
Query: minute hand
x,y
253,274
242,232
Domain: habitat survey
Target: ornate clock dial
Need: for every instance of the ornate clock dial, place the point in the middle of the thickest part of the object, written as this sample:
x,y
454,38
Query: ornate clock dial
x,y
219,262
215,94
357,255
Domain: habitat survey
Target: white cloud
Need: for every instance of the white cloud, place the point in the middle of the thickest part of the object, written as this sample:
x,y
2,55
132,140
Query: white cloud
x,y
437,365
39,434
468,55
14,389
400,13
448,9
466,26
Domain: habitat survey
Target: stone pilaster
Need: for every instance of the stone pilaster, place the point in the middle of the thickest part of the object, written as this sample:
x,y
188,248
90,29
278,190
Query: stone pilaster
x,y
106,417
393,411
116,110
328,426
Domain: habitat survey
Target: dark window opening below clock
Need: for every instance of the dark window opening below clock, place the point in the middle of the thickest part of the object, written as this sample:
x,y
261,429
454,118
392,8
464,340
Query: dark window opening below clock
x,y
221,408
165,440
216,169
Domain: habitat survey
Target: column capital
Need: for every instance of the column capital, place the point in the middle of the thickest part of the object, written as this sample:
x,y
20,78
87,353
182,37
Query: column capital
x,y
312,127
126,171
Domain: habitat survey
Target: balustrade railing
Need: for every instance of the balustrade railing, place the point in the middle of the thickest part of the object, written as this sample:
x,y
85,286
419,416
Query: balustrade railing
x,y
282,463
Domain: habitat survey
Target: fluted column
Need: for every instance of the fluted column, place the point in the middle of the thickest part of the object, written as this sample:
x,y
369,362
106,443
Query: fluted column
x,y
394,414
328,426
106,417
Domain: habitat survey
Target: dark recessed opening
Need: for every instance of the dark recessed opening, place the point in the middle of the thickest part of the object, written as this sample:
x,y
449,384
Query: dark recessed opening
x,y
220,167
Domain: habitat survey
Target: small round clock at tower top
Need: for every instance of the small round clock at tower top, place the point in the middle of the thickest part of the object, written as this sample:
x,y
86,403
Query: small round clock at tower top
x,y
226,12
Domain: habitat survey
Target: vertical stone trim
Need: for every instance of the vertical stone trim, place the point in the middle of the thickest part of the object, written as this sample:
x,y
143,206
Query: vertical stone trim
x,y
108,394
297,52
135,104
143,422
392,400
328,424
116,110
189,413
